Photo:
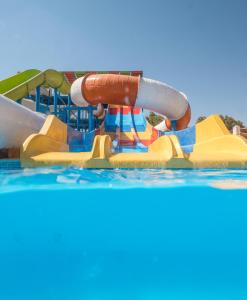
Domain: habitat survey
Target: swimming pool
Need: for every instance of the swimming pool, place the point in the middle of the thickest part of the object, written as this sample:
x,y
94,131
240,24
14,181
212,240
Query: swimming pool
x,y
123,234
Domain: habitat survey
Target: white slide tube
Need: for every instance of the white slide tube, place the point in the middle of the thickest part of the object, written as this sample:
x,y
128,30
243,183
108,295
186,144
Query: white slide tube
x,y
17,123
161,98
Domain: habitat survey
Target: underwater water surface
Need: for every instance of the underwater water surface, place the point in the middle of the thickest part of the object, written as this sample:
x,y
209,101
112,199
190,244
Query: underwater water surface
x,y
70,233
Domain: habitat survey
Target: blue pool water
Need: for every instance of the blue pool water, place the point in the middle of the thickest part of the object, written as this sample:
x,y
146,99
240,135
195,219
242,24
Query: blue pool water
x,y
123,234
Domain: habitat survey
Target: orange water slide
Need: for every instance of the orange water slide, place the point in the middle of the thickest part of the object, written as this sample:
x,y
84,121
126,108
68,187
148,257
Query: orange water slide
x,y
93,89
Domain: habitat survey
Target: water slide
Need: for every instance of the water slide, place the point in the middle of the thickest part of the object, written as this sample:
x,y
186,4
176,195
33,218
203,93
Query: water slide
x,y
47,141
153,95
20,85
16,121
91,89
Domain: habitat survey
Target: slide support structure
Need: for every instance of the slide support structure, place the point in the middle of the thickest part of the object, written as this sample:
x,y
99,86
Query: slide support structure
x,y
55,101
173,125
37,98
78,119
90,118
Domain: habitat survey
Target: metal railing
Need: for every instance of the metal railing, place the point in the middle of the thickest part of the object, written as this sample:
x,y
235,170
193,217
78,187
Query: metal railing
x,y
81,118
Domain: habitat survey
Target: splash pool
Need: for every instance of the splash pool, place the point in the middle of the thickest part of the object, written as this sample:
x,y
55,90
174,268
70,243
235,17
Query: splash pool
x,y
123,234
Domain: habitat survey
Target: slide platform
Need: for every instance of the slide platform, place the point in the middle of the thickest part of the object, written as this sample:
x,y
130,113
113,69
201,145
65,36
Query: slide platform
x,y
215,147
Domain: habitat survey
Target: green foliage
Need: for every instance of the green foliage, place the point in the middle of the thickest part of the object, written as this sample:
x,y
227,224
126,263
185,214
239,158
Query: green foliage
x,y
13,81
201,118
154,119
229,121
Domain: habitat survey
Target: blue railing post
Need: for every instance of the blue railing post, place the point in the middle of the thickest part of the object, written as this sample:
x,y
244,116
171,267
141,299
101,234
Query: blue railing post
x,y
37,98
68,109
90,118
55,101
69,100
78,118
174,125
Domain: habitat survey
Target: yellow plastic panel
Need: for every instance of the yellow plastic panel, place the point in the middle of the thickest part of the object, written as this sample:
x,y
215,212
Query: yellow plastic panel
x,y
210,128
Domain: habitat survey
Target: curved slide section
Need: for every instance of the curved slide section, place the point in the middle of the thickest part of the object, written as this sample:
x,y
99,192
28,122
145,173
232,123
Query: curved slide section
x,y
17,123
133,91
20,85
17,79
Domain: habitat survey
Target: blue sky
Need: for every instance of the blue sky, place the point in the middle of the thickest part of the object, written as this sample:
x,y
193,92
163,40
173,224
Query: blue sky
x,y
197,46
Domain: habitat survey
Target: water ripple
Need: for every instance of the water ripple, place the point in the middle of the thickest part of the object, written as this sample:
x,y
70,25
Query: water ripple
x,y
67,178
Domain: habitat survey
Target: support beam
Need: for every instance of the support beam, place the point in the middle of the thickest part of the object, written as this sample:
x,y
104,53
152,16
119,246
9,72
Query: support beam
x,y
68,110
174,125
55,101
90,118
78,118
37,98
